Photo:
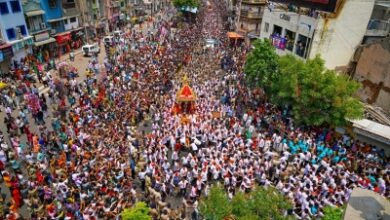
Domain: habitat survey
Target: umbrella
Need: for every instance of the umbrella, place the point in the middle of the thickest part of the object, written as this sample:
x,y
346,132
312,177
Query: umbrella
x,y
3,85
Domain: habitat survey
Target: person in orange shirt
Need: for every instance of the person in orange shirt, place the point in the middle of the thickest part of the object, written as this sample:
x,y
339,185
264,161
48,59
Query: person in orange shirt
x,y
7,179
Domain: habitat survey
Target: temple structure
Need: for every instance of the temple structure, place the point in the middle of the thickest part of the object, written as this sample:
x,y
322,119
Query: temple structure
x,y
185,99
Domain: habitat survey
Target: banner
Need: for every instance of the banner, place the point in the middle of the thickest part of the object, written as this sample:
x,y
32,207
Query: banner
x,y
279,42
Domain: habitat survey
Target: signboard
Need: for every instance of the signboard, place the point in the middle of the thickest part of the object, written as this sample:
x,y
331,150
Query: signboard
x,y
7,52
322,5
41,36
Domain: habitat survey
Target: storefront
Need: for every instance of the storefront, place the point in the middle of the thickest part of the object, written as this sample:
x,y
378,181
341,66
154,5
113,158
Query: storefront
x,y
6,55
44,47
21,48
76,38
63,43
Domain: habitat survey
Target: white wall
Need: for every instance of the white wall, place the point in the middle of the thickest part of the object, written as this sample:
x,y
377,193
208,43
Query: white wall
x,y
336,39
70,25
22,53
298,23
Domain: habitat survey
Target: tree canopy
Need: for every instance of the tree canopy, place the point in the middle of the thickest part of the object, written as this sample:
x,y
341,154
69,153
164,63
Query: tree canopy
x,y
186,3
333,213
317,96
261,203
139,211
261,64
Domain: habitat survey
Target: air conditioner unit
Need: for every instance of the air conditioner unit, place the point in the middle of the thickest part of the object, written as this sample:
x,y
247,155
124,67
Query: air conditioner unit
x,y
18,33
43,25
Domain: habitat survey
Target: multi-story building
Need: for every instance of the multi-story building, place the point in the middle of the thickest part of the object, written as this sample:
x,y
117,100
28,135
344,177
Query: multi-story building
x,y
371,63
333,29
71,14
53,15
112,11
379,24
44,44
249,14
16,39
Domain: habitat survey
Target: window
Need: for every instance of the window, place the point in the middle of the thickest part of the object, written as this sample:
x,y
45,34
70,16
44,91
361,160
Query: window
x,y
266,27
73,20
15,6
290,37
66,21
11,33
22,30
277,30
52,3
4,8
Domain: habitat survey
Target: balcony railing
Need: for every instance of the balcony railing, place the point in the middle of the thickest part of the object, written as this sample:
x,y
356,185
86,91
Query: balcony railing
x,y
255,2
68,5
114,4
251,15
378,27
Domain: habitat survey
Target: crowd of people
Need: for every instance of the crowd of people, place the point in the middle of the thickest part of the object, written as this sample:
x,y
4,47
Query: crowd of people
x,y
95,148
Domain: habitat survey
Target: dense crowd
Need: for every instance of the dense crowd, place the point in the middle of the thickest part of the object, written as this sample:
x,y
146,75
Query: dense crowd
x,y
88,152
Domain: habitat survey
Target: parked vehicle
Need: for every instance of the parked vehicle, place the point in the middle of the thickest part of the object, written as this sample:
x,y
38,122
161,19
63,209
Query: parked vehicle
x,y
108,40
118,33
91,49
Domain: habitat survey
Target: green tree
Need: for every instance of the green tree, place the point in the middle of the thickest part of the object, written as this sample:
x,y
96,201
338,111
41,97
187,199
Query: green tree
x,y
261,203
140,211
241,207
268,203
216,205
261,65
186,3
333,213
318,96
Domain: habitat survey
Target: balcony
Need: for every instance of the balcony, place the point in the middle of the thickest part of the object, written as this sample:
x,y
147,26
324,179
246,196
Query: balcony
x,y
378,28
251,15
68,5
254,2
71,12
114,4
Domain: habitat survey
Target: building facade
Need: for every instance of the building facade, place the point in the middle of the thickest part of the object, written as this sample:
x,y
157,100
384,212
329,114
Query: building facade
x,y
53,15
306,32
249,15
16,41
379,24
44,44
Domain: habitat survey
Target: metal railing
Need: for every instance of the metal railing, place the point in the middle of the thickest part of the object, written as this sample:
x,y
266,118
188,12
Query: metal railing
x,y
249,14
375,24
378,27
255,1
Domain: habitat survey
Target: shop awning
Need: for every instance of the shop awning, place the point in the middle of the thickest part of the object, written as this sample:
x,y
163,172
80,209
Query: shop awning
x,y
63,37
56,19
5,46
34,13
48,41
234,35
